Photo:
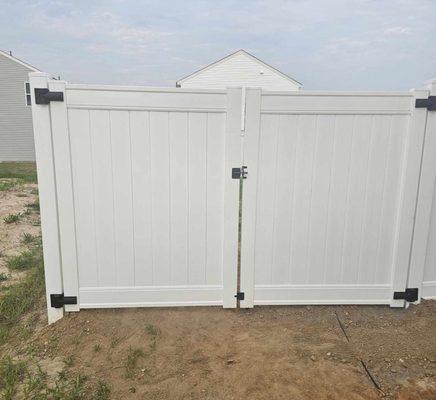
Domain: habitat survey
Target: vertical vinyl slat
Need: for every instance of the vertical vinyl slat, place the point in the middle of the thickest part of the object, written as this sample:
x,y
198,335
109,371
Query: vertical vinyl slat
x,y
265,198
178,142
214,201
141,192
197,197
356,198
83,182
100,135
300,227
122,193
160,197
320,196
374,199
283,204
395,188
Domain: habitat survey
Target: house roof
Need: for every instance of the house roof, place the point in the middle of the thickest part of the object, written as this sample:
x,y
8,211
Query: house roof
x,y
18,61
241,51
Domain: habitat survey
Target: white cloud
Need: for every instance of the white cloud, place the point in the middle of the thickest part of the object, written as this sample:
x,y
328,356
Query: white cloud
x,y
397,30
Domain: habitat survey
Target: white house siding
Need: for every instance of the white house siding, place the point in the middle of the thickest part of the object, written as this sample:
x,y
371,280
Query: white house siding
x,y
16,131
239,70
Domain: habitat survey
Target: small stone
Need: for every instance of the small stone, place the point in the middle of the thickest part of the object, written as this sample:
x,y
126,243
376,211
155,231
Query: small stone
x,y
231,361
313,358
329,354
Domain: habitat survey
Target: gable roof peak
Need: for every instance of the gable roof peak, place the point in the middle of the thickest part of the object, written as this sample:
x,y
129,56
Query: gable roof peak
x,y
18,61
231,55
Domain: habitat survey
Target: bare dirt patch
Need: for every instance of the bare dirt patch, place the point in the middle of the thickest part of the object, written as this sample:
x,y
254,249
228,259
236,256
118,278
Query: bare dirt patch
x,y
14,202
264,353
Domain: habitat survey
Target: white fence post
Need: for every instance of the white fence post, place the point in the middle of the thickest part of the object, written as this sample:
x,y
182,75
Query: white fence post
x,y
409,191
425,196
64,190
47,194
231,196
251,149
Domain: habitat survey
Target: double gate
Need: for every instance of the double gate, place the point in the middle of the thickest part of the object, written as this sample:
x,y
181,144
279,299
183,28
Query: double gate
x,y
141,196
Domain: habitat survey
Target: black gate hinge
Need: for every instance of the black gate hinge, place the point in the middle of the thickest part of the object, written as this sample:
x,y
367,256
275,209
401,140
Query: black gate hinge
x,y
59,300
429,104
44,96
240,296
410,295
238,173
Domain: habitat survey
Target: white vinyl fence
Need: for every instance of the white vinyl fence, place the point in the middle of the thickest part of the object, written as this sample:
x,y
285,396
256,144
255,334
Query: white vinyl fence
x,y
139,203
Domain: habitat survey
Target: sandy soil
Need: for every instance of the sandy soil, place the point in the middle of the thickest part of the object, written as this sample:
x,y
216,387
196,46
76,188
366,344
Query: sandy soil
x,y
291,352
266,353
12,202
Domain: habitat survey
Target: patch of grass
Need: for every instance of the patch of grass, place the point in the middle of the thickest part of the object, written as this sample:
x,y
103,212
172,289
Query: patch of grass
x,y
7,185
25,260
116,341
26,171
132,361
11,374
16,300
69,361
28,238
35,385
152,330
3,277
102,391
33,206
12,218
97,348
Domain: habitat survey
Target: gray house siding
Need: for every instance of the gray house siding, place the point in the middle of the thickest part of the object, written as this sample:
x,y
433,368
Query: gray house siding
x,y
16,130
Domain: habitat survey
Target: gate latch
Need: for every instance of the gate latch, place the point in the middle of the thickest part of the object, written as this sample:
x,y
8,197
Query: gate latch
x,y
410,295
238,173
240,296
59,300
429,104
44,96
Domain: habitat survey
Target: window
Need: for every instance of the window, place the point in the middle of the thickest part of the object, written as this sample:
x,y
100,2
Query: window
x,y
27,92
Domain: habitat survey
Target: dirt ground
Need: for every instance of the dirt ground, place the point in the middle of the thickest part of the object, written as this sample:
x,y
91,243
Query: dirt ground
x,y
14,201
295,352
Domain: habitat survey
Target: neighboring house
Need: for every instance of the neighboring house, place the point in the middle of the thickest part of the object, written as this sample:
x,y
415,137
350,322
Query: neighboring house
x,y
16,130
239,69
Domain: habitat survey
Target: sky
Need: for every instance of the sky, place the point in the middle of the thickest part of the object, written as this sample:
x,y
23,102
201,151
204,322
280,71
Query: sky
x,y
325,44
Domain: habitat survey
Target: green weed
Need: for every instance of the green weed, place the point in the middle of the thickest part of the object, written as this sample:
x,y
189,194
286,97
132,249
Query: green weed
x,y
12,218
11,374
28,238
18,299
132,361
25,260
33,206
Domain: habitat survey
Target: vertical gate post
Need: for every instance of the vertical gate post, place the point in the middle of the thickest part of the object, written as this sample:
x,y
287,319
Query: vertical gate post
x,y
425,198
408,200
65,197
231,196
250,154
47,194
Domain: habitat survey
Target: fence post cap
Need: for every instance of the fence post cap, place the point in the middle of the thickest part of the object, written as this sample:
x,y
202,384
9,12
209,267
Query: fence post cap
x,y
431,84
